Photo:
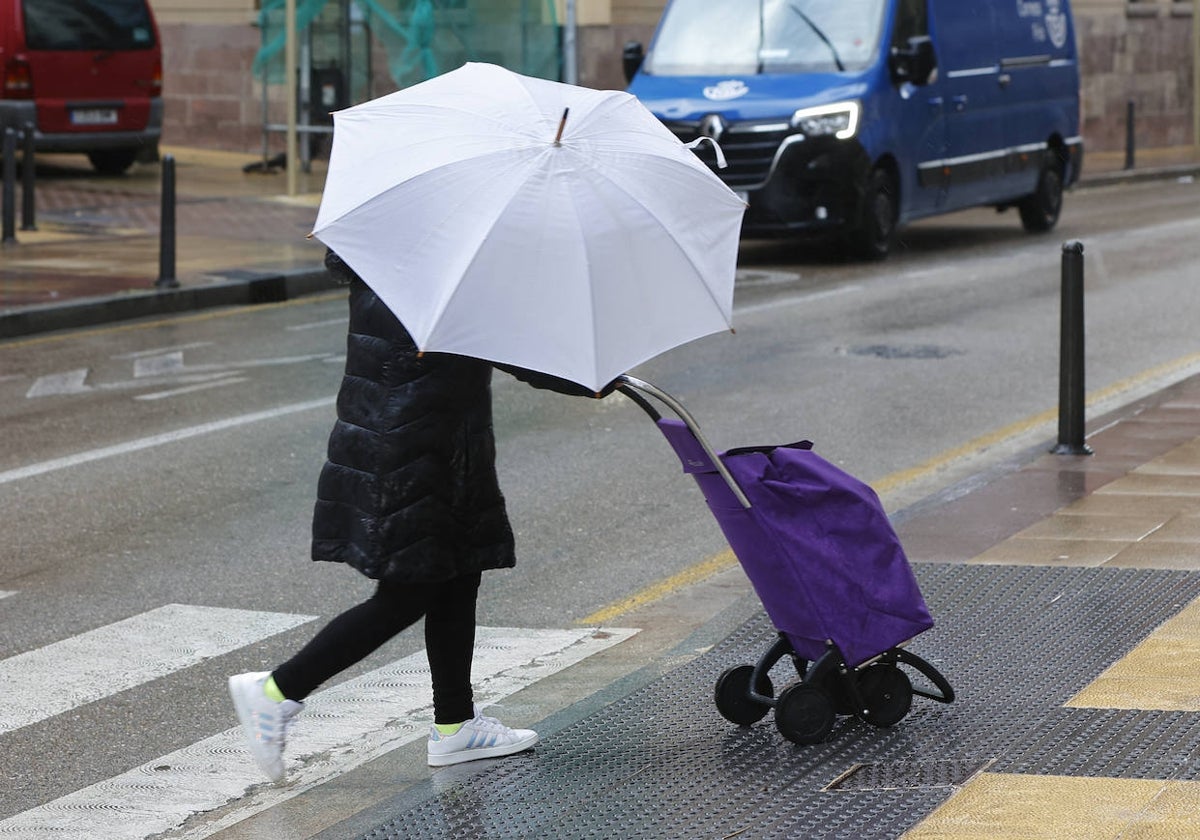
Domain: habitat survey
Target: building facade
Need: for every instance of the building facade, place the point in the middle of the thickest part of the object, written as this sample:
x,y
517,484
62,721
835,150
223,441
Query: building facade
x,y
1131,51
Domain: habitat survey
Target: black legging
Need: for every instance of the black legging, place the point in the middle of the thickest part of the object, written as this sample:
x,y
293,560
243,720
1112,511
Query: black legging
x,y
449,610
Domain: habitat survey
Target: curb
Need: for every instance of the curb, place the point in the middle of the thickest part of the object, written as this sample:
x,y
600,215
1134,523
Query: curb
x,y
250,288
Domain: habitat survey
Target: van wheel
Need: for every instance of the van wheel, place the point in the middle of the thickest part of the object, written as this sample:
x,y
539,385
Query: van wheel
x,y
876,231
112,161
1039,212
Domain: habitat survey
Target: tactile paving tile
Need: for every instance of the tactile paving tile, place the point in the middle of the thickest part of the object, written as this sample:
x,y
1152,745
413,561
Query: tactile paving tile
x,y
1016,643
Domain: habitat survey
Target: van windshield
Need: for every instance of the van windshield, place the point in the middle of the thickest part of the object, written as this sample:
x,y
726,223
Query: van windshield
x,y
87,25
743,37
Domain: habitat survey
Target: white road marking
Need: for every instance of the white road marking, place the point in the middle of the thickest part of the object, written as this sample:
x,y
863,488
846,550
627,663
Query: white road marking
x,y
6,594
329,322
59,677
54,384
164,364
794,300
217,383
130,446
340,729
160,350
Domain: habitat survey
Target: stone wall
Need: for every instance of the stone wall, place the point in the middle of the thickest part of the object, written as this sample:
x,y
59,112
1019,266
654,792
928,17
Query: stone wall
x,y
1140,54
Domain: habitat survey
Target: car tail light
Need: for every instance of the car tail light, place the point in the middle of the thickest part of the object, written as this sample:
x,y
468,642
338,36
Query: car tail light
x,y
156,81
18,80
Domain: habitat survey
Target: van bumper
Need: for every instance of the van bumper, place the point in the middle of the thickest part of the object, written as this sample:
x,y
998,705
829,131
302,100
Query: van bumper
x,y
18,114
815,187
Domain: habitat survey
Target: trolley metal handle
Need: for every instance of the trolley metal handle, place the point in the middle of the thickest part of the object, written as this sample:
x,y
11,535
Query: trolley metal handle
x,y
639,386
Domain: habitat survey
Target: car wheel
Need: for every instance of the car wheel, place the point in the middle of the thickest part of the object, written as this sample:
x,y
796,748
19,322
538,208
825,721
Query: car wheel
x,y
872,237
1039,212
112,161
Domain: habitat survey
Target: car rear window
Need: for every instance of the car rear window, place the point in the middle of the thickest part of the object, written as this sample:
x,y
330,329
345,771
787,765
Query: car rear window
x,y
88,25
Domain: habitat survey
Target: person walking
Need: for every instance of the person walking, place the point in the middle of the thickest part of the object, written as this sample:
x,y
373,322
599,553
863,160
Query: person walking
x,y
409,497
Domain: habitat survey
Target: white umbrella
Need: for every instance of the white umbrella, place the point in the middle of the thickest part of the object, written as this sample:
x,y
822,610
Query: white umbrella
x,y
495,224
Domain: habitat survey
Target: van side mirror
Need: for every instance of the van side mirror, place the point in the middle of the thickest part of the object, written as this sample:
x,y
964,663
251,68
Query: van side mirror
x,y
632,57
913,63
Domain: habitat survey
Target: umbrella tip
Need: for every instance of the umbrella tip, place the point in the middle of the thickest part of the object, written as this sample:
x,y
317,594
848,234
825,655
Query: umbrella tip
x,y
561,125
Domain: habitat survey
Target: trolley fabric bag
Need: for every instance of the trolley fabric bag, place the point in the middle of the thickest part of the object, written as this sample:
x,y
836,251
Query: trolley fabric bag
x,y
816,544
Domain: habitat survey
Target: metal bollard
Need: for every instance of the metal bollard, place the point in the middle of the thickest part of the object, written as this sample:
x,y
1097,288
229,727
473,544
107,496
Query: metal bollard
x,y
1071,400
8,211
166,228
28,170
1129,135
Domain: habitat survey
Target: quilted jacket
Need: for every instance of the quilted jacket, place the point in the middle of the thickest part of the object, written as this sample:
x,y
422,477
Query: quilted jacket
x,y
409,491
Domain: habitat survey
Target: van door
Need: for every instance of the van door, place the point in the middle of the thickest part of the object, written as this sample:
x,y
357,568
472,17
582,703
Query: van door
x,y
920,118
94,64
1039,86
964,36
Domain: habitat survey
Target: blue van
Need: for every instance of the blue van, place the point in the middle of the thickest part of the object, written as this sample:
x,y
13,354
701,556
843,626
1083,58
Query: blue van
x,y
851,117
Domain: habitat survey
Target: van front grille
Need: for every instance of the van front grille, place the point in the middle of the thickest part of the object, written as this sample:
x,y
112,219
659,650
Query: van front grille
x,y
749,149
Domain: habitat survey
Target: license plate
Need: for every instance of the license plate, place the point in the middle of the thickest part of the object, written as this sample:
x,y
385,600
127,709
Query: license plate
x,y
94,116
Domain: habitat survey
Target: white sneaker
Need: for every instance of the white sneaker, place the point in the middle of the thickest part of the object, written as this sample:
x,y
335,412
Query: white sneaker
x,y
481,737
264,721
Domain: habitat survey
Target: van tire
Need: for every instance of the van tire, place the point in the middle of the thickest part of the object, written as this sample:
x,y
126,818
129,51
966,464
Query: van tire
x,y
112,161
1039,212
872,238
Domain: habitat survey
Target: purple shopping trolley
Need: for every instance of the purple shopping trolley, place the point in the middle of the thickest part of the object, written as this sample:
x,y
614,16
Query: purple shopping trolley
x,y
830,572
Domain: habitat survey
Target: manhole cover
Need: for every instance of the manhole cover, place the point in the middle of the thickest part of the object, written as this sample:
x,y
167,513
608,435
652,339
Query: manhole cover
x,y
915,351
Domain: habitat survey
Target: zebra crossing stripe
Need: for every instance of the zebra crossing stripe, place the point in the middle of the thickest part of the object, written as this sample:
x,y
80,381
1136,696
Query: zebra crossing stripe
x,y
341,728
59,677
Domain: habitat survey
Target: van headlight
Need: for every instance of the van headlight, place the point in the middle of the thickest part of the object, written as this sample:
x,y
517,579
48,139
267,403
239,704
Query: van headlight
x,y
839,119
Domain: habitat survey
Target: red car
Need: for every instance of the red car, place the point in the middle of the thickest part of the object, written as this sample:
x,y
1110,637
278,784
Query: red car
x,y
87,74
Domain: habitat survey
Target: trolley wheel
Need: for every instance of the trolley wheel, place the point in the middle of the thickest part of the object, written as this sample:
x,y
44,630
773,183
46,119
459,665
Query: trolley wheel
x,y
733,696
804,714
887,693
834,685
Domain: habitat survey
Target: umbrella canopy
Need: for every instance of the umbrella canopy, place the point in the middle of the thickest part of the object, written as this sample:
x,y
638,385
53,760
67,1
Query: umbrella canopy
x,y
518,220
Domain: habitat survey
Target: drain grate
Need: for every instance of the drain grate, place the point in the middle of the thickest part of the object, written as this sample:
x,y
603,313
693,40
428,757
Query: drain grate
x,y
907,775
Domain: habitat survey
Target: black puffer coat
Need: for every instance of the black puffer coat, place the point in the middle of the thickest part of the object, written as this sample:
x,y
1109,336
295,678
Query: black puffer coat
x,y
409,492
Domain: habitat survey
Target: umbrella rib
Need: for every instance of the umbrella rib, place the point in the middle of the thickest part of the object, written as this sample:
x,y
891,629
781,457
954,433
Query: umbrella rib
x,y
616,185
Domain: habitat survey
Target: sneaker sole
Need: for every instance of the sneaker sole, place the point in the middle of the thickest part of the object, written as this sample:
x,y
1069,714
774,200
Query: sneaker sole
x,y
461,756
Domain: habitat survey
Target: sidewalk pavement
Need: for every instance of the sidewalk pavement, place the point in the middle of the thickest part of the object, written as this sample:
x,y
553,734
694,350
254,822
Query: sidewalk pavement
x,y
1065,589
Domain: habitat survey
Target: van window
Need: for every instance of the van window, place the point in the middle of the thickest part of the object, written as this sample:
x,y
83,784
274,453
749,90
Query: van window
x,y
87,25
912,21
700,37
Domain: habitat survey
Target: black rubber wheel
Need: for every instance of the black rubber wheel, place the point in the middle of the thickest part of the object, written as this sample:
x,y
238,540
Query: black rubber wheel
x,y
833,685
872,238
112,161
886,692
733,696
1039,212
804,714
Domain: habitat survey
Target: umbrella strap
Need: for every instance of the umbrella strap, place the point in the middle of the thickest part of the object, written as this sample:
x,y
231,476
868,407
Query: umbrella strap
x,y
721,164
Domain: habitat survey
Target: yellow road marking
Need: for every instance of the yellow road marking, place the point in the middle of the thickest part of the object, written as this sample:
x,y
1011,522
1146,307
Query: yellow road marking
x,y
657,591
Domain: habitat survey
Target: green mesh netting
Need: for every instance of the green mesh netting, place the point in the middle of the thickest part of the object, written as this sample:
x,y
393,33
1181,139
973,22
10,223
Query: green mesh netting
x,y
420,38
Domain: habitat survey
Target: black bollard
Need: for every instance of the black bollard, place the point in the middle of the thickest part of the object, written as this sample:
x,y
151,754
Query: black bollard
x,y
1129,135
1071,400
9,201
28,169
166,228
